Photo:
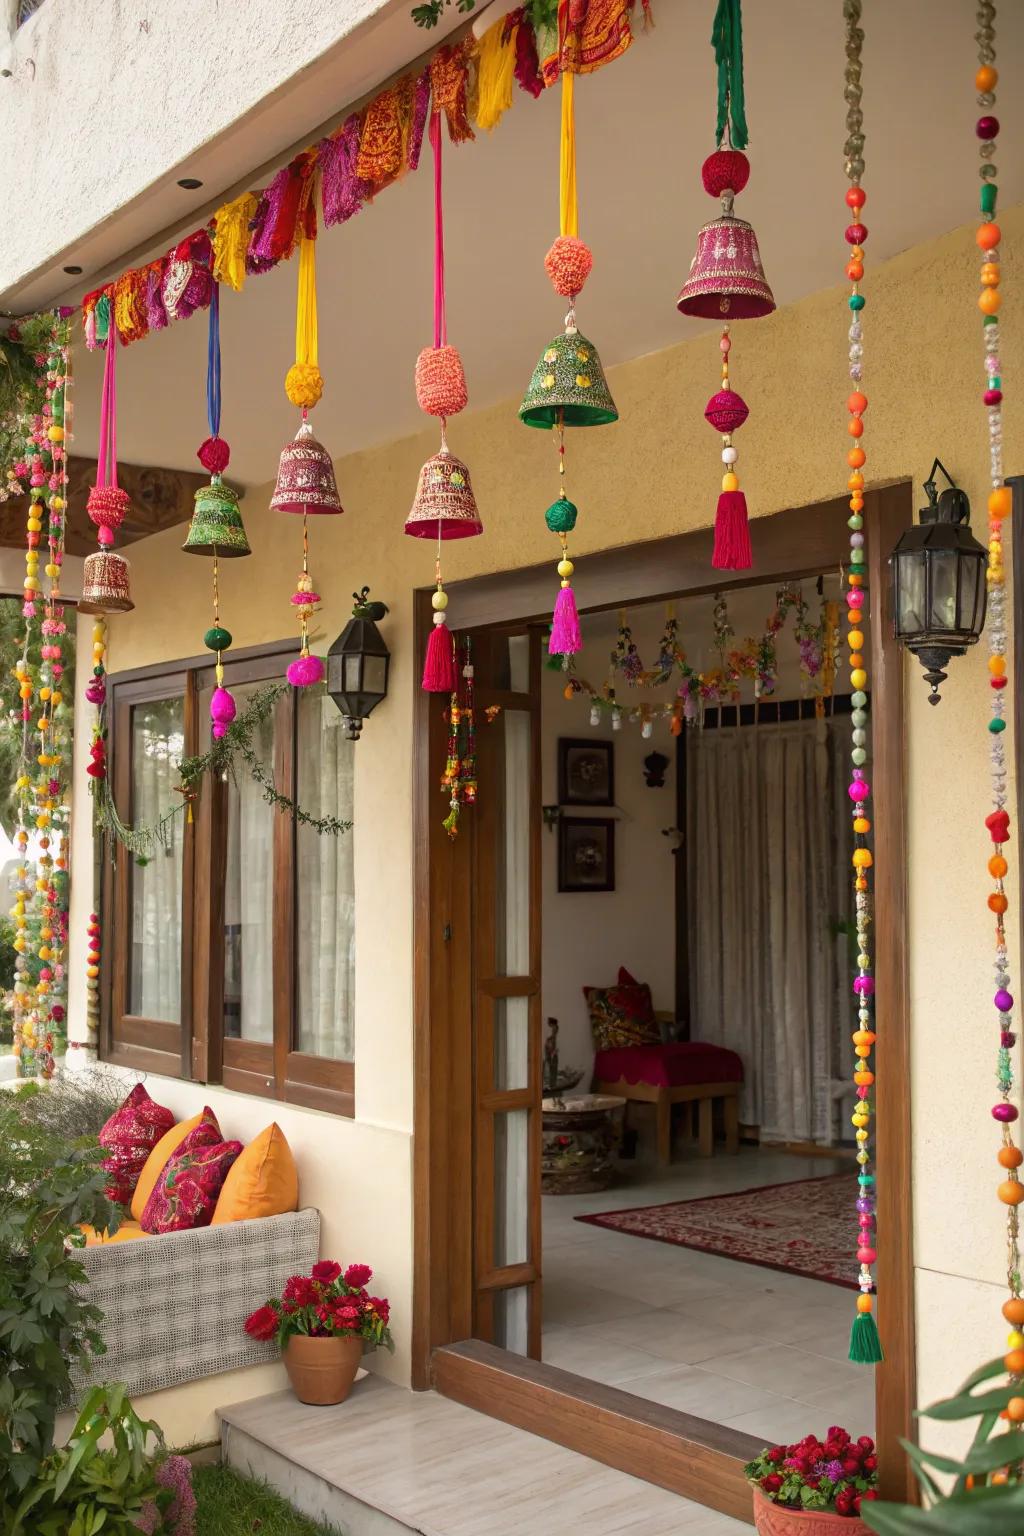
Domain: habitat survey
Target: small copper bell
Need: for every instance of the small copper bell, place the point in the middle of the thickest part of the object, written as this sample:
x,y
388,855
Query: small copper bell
x,y
305,477
444,506
105,584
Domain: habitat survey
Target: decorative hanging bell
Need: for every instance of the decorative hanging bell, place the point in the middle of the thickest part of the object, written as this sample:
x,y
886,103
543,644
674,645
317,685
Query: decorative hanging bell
x,y
568,384
444,506
726,280
216,527
105,584
305,477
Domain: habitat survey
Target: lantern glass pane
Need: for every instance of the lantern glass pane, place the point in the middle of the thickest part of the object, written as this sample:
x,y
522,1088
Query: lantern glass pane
x,y
970,582
942,611
375,675
353,673
910,580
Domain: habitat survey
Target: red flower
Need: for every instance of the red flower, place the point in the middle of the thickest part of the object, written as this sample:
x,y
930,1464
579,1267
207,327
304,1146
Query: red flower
x,y
866,1443
300,1289
844,1502
838,1434
870,1463
357,1275
776,1454
346,1316
772,1483
381,1306
851,1466
262,1324
326,1271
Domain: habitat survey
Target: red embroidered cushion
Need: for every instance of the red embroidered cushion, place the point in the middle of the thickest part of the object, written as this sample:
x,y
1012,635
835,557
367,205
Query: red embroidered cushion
x,y
186,1193
128,1138
623,1014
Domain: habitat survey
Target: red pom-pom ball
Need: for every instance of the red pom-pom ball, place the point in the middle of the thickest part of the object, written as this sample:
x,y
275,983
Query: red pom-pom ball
x,y
568,265
107,506
726,411
440,382
726,168
213,455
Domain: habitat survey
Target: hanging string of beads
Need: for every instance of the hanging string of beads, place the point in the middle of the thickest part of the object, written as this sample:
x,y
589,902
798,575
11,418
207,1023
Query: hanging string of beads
x,y
865,1346
1005,1112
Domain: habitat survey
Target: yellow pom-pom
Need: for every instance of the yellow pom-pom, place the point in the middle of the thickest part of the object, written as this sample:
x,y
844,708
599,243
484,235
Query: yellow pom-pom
x,y
304,384
55,433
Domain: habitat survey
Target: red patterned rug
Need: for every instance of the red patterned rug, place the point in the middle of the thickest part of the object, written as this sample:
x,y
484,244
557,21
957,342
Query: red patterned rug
x,y
802,1227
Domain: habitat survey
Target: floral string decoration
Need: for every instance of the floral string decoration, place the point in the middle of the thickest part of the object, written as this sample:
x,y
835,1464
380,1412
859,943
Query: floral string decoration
x,y
726,280
459,781
1000,506
568,386
305,475
865,1346
444,506
216,528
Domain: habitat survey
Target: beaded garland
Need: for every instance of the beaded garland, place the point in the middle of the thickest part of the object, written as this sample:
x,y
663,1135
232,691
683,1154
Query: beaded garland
x,y
865,1346
997,823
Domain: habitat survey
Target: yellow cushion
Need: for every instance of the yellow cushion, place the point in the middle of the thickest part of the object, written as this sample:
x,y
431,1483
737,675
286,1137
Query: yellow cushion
x,y
124,1234
262,1181
157,1161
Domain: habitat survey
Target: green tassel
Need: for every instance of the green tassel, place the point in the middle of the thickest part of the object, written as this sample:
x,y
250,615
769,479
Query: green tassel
x,y
865,1345
727,41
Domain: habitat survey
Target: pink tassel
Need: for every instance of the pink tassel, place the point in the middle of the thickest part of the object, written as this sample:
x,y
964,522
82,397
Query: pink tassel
x,y
565,626
439,666
732,534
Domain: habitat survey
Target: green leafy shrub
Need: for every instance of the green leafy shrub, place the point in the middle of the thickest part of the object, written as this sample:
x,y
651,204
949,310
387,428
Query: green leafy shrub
x,y
46,1327
75,1104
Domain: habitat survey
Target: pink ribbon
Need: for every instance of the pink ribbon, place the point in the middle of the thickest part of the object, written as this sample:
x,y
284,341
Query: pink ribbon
x,y
107,465
440,317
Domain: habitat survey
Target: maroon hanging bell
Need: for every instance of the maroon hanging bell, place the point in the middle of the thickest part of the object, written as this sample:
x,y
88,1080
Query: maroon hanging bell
x,y
726,280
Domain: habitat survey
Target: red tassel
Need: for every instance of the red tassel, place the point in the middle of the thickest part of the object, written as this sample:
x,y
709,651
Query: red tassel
x,y
439,667
732,534
565,626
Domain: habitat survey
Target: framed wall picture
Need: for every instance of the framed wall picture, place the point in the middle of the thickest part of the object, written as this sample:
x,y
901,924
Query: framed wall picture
x,y
586,772
586,853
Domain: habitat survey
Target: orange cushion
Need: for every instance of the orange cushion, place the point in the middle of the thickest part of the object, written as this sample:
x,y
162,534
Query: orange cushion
x,y
125,1232
263,1181
157,1161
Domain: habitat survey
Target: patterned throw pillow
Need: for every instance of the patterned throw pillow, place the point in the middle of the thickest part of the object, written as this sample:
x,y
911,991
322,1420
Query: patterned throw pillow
x,y
623,1014
187,1190
128,1138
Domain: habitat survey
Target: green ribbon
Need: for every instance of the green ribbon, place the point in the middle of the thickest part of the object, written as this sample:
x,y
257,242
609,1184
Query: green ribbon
x,y
727,41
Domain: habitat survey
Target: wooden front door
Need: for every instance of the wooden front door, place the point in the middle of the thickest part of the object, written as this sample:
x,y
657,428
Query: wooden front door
x,y
506,998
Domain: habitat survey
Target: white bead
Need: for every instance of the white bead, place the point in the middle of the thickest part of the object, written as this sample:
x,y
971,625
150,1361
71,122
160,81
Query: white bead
x,y
729,455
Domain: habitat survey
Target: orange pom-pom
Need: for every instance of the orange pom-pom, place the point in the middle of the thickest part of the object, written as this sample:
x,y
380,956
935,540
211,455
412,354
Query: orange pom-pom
x,y
440,382
568,265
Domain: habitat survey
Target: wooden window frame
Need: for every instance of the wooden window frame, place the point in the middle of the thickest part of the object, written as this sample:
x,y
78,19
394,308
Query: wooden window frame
x,y
197,1048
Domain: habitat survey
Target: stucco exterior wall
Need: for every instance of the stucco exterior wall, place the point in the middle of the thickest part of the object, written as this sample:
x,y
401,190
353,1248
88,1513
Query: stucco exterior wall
x,y
654,474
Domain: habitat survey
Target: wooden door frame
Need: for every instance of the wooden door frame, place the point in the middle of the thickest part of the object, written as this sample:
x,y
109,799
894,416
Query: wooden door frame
x,y
793,545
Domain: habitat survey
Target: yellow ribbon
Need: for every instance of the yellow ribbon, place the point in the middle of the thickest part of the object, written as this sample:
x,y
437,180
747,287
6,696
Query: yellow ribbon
x,y
568,210
305,314
495,70
231,240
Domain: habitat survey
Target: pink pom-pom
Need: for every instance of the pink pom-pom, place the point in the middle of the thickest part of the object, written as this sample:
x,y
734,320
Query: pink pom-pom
x,y
222,711
304,599
440,382
726,411
96,692
568,265
726,169
304,671
213,455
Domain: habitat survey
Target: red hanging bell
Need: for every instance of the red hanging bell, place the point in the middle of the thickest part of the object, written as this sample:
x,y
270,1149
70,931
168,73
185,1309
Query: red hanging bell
x,y
726,280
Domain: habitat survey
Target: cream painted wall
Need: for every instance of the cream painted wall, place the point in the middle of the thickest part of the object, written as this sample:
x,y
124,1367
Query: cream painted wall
x,y
656,473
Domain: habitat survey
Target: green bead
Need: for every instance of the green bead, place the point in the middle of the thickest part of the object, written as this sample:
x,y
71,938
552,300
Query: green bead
x,y
991,320
856,522
858,699
858,756
996,726
856,301
995,382
561,516
856,557
989,192
216,639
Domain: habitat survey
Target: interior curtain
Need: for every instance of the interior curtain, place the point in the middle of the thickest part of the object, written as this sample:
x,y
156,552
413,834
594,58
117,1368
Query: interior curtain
x,y
325,876
768,850
157,746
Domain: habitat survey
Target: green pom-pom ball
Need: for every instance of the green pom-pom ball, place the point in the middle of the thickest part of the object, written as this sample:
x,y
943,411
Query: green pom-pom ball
x,y
216,639
561,516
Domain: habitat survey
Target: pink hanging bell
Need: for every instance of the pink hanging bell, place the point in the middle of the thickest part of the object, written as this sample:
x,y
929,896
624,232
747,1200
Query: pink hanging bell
x,y
305,477
444,506
726,280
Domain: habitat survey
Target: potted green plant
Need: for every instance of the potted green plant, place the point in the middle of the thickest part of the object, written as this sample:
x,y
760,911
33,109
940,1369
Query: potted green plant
x,y
815,1487
323,1322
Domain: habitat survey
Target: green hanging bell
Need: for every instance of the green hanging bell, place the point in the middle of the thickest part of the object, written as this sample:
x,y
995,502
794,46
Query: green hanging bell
x,y
216,527
568,384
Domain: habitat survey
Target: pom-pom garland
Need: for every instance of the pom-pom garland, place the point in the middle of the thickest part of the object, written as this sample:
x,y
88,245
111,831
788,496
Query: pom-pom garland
x,y
568,264
441,381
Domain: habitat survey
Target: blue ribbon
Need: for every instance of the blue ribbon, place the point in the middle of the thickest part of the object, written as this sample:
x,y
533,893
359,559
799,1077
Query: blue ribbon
x,y
213,365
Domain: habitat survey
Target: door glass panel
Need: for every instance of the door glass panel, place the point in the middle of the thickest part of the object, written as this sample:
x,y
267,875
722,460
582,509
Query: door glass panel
x,y
511,1187
248,889
158,745
519,663
510,1319
511,1043
512,864
325,970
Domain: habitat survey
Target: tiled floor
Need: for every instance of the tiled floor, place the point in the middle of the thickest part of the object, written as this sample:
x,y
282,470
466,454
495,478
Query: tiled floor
x,y
750,1347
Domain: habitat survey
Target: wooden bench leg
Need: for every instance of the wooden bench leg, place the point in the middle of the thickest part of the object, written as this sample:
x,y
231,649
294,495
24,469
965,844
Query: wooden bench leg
x,y
732,1123
663,1110
706,1124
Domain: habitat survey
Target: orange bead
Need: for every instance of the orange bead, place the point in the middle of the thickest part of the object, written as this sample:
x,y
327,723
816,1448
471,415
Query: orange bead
x,y
989,236
1013,1310
998,1478
856,639
861,824
856,457
863,1079
856,253
990,274
855,579
1000,502
1011,1192
855,427
997,902
856,503
1010,1157
860,885
1015,1414
997,866
863,1303
856,483
989,301
986,78
855,271
1014,1362
997,665
857,402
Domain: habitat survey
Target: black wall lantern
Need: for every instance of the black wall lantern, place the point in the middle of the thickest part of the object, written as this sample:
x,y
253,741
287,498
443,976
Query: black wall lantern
x,y
357,664
938,582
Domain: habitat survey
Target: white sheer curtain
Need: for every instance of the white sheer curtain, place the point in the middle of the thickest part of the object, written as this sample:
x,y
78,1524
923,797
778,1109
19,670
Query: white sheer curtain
x,y
248,891
768,863
325,880
158,741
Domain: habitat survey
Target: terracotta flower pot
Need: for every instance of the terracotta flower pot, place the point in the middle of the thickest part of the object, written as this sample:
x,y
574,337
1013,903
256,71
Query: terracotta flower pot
x,y
322,1371
776,1520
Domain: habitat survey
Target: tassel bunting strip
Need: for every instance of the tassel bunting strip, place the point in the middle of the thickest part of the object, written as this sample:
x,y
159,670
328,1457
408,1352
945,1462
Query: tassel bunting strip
x,y
496,62
230,239
449,83
342,191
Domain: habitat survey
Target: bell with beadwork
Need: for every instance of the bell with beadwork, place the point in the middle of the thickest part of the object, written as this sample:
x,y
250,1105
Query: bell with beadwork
x,y
305,477
568,385
216,527
726,280
105,584
444,506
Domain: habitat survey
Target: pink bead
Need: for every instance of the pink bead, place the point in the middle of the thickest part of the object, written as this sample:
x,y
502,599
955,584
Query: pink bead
x,y
987,127
866,1255
855,598
725,345
992,396
106,535
860,789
